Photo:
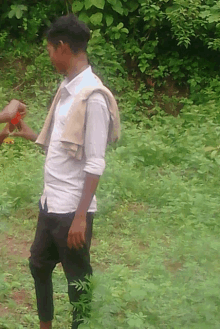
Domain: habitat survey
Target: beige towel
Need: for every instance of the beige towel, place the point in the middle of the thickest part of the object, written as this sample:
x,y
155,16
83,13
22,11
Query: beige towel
x,y
72,138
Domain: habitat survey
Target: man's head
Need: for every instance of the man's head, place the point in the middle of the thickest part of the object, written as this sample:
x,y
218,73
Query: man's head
x,y
67,37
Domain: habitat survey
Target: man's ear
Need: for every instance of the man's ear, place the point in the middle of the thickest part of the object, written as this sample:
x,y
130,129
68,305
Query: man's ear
x,y
65,48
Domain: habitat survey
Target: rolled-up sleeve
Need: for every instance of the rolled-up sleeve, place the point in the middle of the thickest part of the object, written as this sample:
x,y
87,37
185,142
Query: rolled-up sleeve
x,y
96,134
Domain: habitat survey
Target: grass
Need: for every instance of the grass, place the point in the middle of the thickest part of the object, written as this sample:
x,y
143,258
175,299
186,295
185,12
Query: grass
x,y
155,249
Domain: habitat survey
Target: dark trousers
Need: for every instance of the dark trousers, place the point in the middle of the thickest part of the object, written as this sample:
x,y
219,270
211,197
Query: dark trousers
x,y
48,249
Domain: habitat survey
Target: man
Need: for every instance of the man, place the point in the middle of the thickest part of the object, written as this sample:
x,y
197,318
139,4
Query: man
x,y
8,114
82,119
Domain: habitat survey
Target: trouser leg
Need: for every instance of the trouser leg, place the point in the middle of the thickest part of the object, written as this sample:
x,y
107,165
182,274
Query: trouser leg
x,y
44,291
50,247
76,263
81,296
43,259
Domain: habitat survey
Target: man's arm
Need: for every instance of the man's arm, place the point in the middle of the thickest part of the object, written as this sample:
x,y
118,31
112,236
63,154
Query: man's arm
x,y
97,125
89,189
76,237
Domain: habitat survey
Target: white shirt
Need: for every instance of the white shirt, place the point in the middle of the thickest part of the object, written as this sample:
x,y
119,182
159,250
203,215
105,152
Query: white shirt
x,y
63,175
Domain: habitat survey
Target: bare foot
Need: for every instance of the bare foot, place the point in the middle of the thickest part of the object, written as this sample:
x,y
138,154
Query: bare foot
x,y
46,325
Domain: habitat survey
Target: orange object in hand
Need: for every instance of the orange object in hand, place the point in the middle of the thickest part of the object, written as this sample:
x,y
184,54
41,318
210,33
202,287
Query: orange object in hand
x,y
16,119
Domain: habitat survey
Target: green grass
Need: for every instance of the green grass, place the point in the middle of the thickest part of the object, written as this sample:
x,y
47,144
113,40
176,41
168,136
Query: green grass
x,y
155,250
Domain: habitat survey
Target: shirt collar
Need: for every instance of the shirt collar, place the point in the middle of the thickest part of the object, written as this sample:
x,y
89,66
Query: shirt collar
x,y
70,86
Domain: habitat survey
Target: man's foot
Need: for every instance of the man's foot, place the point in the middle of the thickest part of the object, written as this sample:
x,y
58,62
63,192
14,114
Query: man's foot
x,y
46,325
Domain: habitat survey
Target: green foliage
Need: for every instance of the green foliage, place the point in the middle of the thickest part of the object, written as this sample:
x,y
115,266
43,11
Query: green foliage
x,y
156,250
142,30
4,287
27,21
151,38
17,11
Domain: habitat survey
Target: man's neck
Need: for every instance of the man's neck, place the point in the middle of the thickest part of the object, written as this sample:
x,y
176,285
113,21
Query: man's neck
x,y
77,66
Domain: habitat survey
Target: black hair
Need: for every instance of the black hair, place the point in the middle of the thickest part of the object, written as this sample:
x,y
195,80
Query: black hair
x,y
71,31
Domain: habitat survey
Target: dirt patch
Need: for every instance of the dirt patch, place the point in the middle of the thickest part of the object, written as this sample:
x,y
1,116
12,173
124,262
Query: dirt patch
x,y
137,207
15,247
21,297
143,246
94,242
28,213
173,267
169,96
3,310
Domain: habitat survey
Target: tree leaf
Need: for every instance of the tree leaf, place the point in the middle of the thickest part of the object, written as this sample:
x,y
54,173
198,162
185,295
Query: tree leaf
x,y
118,8
171,9
209,148
22,7
126,11
120,25
125,30
112,2
84,17
96,19
213,154
205,13
214,18
109,20
88,4
133,6
17,10
77,6
98,3
18,13
117,35
11,13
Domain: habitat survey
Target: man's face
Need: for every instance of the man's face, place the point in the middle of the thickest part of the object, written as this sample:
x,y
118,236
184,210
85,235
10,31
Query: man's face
x,y
57,57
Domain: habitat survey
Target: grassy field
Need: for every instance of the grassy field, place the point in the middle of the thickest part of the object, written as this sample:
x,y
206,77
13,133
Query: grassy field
x,y
155,249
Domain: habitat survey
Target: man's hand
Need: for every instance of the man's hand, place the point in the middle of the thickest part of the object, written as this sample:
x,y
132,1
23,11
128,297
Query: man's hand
x,y
6,131
25,131
11,109
77,231
9,128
